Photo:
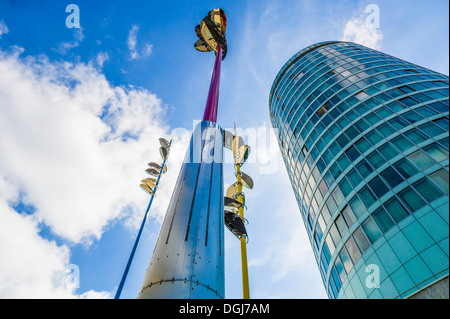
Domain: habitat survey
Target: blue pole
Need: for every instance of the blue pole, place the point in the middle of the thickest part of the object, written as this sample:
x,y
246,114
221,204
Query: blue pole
x,y
130,259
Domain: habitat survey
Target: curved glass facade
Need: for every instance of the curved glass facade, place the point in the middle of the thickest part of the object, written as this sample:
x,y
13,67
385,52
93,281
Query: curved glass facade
x,y
365,140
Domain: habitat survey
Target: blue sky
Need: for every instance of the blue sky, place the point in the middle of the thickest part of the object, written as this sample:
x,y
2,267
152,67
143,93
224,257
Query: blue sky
x,y
81,111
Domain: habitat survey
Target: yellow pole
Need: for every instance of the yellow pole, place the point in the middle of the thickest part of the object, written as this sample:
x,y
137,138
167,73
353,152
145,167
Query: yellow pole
x,y
245,285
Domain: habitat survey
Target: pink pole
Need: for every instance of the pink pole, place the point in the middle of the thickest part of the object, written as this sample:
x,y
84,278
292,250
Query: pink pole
x,y
213,95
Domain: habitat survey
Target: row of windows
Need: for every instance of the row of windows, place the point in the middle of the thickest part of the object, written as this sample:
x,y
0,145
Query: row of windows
x,y
376,188
363,108
375,185
338,56
378,223
371,71
346,105
336,83
316,145
325,178
387,75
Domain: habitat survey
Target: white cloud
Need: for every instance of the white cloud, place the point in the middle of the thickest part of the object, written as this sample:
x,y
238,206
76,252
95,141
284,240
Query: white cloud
x,y
358,30
31,266
78,169
132,37
102,57
135,53
3,28
64,47
74,148
147,50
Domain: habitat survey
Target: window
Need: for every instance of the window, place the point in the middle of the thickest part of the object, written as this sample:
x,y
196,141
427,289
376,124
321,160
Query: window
x,y
391,176
335,234
357,206
298,77
445,142
330,244
329,179
382,219
443,123
441,178
343,161
353,250
386,130
415,136
326,214
408,101
362,145
332,292
323,188
396,210
354,177
427,189
335,170
371,230
412,200
412,117
398,123
340,269
374,137
421,160
437,152
345,187
345,259
325,257
378,186
348,215
322,110
405,168
361,239
364,168
334,274
341,225
401,143
388,151
384,112
342,140
373,118
375,159
425,111
304,150
431,129
395,106
362,125
352,132
362,95
338,197
352,153
367,196
405,89
331,205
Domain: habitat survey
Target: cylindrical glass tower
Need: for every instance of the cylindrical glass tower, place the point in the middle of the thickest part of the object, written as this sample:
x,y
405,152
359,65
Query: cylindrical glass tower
x,y
365,140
